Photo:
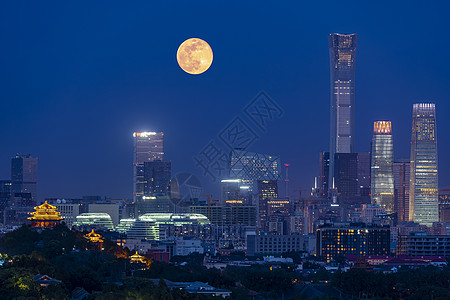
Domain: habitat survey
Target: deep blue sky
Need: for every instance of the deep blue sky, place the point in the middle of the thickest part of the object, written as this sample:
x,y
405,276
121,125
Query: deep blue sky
x,y
78,78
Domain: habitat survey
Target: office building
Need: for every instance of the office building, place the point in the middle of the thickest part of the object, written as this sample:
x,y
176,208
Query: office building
x,y
423,195
382,172
148,146
227,215
364,178
24,176
251,167
324,173
341,238
278,244
157,175
346,176
444,205
402,172
5,196
153,204
267,189
342,101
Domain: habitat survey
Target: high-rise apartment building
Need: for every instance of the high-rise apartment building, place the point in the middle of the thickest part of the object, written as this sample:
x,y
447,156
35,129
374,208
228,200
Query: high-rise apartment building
x,y
339,239
24,176
423,195
401,188
148,147
382,172
342,105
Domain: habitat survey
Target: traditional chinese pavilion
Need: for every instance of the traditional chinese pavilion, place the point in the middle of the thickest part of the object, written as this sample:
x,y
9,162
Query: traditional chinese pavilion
x,y
94,237
45,216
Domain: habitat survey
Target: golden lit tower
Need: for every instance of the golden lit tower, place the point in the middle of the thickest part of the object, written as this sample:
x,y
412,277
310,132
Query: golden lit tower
x,y
382,162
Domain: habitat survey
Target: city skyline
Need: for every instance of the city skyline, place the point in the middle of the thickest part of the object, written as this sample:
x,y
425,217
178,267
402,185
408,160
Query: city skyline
x,y
104,93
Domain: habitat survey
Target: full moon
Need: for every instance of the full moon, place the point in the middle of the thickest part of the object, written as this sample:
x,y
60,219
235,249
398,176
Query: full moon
x,y
194,56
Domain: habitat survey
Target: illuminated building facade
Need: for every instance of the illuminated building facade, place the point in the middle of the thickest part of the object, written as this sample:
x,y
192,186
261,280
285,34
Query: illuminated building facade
x,y
24,176
338,239
94,220
382,162
250,167
148,146
342,101
423,195
45,216
152,226
402,173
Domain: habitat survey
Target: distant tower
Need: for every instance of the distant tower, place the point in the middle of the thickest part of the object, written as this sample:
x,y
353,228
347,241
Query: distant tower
x,y
148,146
342,105
24,177
286,180
382,172
402,172
423,195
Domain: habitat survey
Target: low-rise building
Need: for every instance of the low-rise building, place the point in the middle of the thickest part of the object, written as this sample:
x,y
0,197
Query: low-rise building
x,y
420,243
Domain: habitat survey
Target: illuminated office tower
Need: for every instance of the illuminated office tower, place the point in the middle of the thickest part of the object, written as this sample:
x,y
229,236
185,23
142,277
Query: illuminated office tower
x,y
423,195
401,188
148,146
382,172
24,177
342,101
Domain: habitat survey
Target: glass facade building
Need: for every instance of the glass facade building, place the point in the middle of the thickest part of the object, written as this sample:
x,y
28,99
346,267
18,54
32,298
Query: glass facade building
x,y
423,195
382,162
148,146
250,167
157,175
24,176
401,189
342,105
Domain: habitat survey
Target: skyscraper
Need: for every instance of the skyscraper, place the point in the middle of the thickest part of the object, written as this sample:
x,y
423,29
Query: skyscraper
x,y
148,146
382,176
346,176
24,176
401,188
157,175
324,170
423,195
342,105
364,177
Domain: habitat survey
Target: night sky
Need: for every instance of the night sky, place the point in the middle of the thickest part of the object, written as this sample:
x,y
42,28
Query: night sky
x,y
78,78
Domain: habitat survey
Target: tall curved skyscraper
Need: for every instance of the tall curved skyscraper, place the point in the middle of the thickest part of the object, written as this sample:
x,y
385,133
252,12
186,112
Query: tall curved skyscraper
x,y
423,193
382,166
342,105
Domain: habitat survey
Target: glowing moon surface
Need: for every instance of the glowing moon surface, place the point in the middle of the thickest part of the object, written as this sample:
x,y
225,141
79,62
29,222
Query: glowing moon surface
x,y
194,56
